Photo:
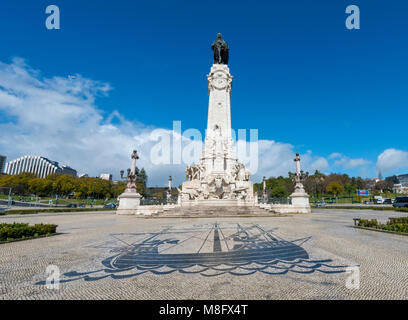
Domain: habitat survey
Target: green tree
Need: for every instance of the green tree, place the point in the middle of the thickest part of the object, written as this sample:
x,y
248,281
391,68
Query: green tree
x,y
141,181
316,184
384,186
335,188
279,191
40,187
19,182
65,184
279,187
349,189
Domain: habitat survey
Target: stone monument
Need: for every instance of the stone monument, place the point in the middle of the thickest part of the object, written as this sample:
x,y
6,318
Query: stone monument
x,y
130,199
168,193
300,199
218,178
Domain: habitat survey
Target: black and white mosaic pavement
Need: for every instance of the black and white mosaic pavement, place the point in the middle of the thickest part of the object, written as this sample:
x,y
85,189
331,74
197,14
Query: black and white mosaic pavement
x,y
104,256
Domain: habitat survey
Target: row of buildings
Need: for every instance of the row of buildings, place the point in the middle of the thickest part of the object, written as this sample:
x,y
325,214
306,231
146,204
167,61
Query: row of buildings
x,y
400,183
40,166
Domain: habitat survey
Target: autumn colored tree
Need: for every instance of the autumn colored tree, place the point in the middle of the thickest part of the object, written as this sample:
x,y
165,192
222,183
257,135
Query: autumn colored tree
x,y
65,185
18,182
40,187
335,188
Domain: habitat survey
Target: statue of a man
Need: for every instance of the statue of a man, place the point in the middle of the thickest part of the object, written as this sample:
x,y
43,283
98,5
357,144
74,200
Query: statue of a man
x,y
221,50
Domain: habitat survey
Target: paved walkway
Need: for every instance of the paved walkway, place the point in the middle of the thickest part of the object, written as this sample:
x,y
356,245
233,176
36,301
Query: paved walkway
x,y
104,256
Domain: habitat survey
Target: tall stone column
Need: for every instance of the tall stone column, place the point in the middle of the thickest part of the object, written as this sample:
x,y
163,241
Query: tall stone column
x,y
218,154
219,83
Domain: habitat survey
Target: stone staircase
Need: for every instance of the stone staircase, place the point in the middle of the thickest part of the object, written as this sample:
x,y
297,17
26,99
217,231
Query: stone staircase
x,y
215,211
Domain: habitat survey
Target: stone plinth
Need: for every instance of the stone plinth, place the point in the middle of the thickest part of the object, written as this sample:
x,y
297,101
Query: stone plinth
x,y
300,202
128,203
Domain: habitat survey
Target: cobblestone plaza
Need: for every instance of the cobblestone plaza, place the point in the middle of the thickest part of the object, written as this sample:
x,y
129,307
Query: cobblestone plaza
x,y
105,256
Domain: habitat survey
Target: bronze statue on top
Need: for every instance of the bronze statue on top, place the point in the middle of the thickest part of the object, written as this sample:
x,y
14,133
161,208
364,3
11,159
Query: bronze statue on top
x,y
221,50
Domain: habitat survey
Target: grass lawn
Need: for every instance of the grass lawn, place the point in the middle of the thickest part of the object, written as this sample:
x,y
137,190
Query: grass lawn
x,y
52,210
61,201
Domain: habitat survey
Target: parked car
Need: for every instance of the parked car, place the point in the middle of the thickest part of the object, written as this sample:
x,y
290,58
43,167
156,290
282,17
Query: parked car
x,y
82,205
72,205
378,200
321,204
387,201
400,202
110,205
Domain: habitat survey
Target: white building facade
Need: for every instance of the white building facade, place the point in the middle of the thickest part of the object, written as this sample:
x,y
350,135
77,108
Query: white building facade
x,y
35,164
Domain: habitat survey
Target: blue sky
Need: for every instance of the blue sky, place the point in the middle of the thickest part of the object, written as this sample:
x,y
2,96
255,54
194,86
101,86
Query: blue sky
x,y
300,77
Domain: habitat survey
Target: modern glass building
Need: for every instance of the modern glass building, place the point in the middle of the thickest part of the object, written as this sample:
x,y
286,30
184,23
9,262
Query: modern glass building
x,y
2,163
38,165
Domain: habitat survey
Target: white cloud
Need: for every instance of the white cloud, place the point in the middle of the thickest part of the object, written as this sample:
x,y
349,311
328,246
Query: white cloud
x,y
392,159
57,118
354,163
335,155
320,164
346,162
276,159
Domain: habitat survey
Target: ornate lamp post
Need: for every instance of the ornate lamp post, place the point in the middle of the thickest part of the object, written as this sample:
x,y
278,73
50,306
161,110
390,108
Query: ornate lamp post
x,y
265,196
299,176
129,201
300,199
169,190
131,174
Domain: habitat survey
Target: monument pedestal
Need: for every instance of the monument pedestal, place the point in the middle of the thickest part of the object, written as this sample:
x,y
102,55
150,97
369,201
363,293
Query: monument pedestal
x,y
128,203
300,202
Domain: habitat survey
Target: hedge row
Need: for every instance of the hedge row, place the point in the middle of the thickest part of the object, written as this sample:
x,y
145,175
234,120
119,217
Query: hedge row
x,y
35,211
395,224
403,220
14,231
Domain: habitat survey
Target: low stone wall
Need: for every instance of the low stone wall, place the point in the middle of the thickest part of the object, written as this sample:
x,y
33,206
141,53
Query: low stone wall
x,y
285,208
288,208
147,210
